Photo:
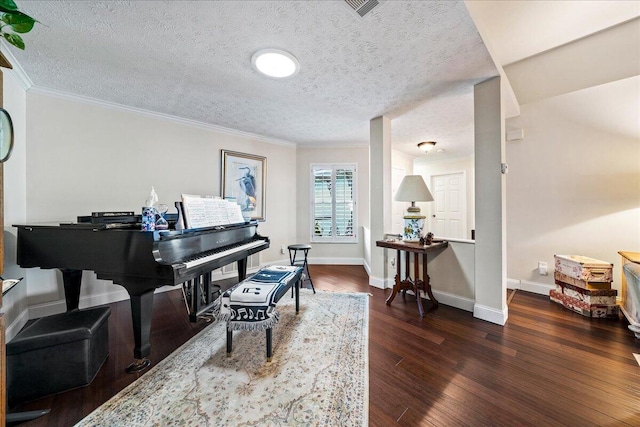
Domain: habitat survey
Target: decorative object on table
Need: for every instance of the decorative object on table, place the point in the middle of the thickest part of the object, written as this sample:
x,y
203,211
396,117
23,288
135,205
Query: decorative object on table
x,y
244,178
413,189
148,218
583,285
149,212
161,220
318,375
428,239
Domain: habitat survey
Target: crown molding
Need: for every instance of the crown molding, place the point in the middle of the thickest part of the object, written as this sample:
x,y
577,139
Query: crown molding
x,y
341,145
17,71
159,116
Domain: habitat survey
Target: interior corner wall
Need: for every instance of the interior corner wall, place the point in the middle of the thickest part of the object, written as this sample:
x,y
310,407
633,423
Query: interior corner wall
x,y
83,157
574,181
331,253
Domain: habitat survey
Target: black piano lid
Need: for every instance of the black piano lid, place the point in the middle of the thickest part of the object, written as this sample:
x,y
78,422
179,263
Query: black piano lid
x,y
169,234
162,234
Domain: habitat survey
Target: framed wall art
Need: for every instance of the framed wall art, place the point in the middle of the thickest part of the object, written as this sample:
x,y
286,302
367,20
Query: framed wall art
x,y
244,179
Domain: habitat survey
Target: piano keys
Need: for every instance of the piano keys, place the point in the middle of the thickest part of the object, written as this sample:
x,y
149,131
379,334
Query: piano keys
x,y
140,262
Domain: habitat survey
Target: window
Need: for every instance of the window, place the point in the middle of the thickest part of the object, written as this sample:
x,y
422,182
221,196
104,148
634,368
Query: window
x,y
333,199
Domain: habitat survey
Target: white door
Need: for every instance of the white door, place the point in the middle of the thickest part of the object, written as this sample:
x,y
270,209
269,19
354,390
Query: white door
x,y
398,208
449,213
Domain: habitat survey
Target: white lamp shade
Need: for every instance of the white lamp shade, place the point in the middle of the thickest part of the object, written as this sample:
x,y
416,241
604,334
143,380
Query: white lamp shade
x,y
413,189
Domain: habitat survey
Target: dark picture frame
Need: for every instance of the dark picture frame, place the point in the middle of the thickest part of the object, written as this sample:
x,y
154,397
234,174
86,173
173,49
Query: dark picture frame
x,y
244,178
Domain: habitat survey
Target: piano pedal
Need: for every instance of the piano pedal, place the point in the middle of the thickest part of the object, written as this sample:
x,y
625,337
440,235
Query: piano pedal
x,y
208,318
138,365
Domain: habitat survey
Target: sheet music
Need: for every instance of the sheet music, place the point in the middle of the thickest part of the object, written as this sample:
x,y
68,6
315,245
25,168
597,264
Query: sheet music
x,y
234,213
194,211
209,212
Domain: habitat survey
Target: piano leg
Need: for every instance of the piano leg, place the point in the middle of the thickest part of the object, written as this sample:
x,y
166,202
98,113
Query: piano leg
x,y
72,280
242,269
141,308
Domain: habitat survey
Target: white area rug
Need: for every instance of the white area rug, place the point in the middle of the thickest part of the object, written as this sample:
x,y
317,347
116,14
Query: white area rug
x,y
319,374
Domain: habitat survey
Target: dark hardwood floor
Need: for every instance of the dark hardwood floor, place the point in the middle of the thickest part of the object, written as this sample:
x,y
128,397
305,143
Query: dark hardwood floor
x,y
548,366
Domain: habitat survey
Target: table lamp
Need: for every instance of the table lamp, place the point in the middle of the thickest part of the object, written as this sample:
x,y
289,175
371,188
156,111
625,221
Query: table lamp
x,y
413,189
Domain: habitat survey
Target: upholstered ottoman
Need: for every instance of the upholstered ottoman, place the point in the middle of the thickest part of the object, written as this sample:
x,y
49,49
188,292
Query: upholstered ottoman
x,y
57,353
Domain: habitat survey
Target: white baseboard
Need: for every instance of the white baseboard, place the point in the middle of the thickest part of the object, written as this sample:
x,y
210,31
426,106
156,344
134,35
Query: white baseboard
x,y
452,300
533,287
536,288
15,326
491,314
377,282
366,266
513,284
55,307
336,261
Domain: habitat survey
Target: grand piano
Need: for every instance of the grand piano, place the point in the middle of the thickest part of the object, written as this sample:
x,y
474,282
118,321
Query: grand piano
x,y
140,261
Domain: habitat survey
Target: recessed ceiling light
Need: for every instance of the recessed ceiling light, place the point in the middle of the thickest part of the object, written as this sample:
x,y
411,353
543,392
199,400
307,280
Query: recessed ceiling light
x,y
275,63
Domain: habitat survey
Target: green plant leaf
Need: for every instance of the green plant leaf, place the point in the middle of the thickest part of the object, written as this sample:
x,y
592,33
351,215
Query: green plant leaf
x,y
19,22
8,6
15,40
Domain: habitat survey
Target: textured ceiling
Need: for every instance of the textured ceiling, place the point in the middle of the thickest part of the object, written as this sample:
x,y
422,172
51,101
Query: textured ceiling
x,y
413,61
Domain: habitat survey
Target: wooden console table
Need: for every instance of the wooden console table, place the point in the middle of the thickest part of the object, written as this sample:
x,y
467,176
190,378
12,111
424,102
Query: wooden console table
x,y
416,284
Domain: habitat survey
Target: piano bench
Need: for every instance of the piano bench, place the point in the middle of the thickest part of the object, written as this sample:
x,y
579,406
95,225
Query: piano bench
x,y
251,304
57,353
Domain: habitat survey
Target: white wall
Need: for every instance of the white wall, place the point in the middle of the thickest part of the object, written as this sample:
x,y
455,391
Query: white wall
x,y
452,274
82,158
15,302
330,253
574,181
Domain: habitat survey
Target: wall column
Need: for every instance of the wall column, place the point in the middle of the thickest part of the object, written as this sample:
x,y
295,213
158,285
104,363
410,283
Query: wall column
x,y
490,246
379,196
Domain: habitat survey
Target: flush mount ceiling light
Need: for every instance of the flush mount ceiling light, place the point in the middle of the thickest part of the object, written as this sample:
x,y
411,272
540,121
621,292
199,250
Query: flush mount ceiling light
x,y
275,63
426,146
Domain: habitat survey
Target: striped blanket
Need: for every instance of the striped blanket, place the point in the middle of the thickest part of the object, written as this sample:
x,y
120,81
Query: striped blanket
x,y
251,304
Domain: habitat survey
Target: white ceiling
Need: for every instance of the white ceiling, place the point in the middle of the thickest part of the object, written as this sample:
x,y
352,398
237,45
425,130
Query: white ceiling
x,y
520,29
413,61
